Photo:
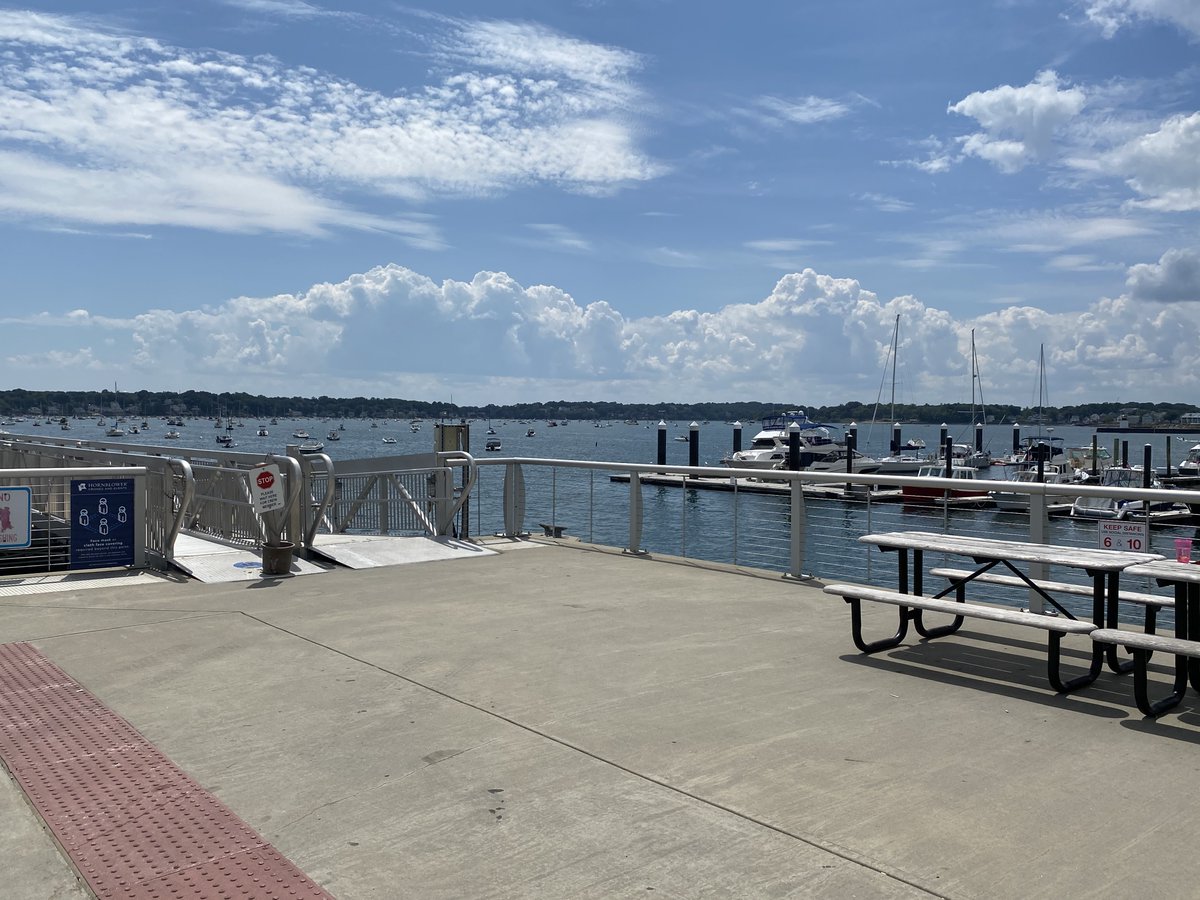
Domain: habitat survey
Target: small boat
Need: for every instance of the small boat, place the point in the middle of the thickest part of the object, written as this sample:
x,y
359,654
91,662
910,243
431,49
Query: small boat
x,y
301,434
114,431
262,431
224,440
1121,509
311,447
389,440
682,438
530,433
172,435
912,493
1012,501
333,435
492,444
1190,465
913,444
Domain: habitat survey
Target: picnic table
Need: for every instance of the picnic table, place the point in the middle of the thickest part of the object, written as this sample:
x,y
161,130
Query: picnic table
x,y
1103,567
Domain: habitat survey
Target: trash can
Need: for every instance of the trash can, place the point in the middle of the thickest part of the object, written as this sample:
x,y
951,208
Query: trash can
x,y
277,558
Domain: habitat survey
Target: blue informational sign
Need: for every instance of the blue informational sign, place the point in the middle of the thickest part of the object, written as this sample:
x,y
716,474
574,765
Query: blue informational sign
x,y
101,522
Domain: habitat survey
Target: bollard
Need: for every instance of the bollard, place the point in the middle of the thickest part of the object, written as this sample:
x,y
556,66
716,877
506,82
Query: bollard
x,y
896,439
794,447
737,436
1016,438
662,443
1147,468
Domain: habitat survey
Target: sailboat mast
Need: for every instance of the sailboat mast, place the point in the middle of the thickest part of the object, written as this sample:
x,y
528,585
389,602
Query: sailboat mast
x,y
895,346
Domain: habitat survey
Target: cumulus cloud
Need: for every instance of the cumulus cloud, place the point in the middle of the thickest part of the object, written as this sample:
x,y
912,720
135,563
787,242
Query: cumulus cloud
x,y
104,127
484,338
1019,123
1175,278
1164,165
1113,15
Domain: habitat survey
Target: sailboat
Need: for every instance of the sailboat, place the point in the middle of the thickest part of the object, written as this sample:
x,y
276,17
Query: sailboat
x,y
1026,453
965,454
899,462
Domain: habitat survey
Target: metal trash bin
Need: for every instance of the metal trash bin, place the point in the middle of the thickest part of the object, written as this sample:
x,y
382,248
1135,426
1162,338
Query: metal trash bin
x,y
277,558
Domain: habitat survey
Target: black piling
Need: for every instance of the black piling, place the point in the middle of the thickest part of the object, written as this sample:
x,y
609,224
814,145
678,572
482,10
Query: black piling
x,y
1016,438
737,436
948,450
1147,466
693,445
794,447
662,443
896,439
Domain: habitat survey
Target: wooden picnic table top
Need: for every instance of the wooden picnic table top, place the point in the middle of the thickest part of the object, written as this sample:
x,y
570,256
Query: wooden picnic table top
x,y
1092,559
1167,570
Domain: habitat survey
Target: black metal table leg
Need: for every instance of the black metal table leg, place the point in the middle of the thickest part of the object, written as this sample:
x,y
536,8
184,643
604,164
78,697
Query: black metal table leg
x,y
1110,618
882,643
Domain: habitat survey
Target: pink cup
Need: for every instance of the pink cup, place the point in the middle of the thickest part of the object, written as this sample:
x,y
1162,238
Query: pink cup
x,y
1183,550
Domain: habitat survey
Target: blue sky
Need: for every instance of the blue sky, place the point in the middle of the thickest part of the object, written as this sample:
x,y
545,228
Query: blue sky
x,y
603,199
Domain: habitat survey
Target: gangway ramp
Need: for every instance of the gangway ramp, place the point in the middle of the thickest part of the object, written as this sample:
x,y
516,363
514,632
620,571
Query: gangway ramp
x,y
212,561
369,551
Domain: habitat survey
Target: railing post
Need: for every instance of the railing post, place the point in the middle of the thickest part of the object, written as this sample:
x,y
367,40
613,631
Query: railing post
x,y
1039,522
514,500
799,530
635,514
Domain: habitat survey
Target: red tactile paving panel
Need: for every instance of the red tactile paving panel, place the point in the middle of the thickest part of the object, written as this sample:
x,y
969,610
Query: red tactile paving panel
x,y
134,824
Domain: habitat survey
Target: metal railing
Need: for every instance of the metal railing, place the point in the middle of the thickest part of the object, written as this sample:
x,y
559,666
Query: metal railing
x,y
187,490
407,495
800,524
45,541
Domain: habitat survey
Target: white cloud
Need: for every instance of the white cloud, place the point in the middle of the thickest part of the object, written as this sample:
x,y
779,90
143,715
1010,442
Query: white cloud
x,y
109,128
801,111
1175,278
492,339
1163,166
1019,123
1112,15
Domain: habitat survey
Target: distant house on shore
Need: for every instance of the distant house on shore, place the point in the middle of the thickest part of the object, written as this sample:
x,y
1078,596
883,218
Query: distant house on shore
x,y
1192,418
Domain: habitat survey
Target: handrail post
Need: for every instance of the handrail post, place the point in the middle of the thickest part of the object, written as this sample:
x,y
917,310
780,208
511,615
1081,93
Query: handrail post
x,y
635,514
514,500
1039,522
798,531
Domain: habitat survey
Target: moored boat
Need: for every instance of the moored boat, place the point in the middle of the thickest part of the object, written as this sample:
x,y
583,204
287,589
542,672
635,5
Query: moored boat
x,y
914,493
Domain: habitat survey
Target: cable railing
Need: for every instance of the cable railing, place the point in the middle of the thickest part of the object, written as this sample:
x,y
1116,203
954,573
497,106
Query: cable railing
x,y
799,524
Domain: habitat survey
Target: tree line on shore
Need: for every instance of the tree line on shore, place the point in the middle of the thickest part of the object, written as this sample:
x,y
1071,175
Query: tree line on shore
x,y
20,402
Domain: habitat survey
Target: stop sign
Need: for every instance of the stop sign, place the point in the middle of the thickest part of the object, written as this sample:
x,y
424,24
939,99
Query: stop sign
x,y
265,480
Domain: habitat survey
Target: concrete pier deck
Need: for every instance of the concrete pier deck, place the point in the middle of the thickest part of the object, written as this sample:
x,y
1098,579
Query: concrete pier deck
x,y
561,721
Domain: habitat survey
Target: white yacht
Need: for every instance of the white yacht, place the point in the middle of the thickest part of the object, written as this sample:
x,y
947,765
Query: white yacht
x,y
769,448
1120,509
1012,501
